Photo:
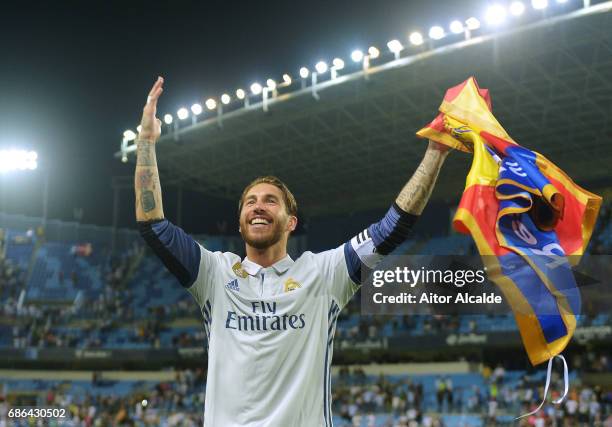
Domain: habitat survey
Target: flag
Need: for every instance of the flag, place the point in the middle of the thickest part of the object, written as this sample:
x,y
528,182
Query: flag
x,y
525,215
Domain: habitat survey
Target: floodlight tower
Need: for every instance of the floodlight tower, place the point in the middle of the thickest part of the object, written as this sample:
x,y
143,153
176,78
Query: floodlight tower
x,y
15,161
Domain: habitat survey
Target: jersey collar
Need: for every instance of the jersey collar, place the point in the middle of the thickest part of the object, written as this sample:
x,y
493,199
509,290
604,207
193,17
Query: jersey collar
x,y
279,266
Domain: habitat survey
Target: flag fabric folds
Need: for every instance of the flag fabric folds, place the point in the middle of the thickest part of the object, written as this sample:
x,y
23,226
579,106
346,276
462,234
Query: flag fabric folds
x,y
525,215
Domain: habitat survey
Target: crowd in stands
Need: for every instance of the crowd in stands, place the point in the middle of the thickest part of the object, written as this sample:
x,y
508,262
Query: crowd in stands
x,y
89,321
175,403
12,279
592,362
12,283
496,397
36,325
356,397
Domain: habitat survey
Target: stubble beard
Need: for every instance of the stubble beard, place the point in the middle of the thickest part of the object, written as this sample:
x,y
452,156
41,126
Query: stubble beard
x,y
263,242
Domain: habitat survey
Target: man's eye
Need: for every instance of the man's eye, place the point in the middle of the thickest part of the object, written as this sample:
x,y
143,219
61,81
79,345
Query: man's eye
x,y
250,202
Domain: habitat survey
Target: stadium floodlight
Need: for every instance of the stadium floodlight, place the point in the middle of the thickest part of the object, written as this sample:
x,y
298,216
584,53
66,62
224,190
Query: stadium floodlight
x,y
240,94
539,4
11,160
256,88
211,104
304,72
321,67
287,79
495,15
182,113
138,128
436,32
196,109
225,99
373,52
516,8
357,55
168,119
271,84
129,135
472,23
395,46
338,63
416,38
456,27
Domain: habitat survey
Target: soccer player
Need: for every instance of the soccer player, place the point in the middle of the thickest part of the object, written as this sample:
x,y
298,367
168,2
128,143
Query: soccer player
x,y
269,320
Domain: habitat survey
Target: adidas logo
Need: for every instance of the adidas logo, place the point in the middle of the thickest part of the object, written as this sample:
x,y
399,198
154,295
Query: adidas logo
x,y
232,285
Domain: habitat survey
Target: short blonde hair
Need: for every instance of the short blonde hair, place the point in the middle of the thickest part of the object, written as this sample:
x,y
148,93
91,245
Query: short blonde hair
x,y
290,203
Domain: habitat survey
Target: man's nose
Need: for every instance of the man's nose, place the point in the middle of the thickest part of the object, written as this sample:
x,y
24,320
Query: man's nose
x,y
259,207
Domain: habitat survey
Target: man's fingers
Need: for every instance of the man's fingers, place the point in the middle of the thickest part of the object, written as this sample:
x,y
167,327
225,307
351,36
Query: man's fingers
x,y
150,107
158,83
152,98
154,95
156,90
149,121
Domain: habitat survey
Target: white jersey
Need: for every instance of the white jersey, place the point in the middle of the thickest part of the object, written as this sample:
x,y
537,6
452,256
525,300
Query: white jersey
x,y
270,337
270,330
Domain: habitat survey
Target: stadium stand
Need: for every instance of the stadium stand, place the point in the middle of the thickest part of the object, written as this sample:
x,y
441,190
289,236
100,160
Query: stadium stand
x,y
94,284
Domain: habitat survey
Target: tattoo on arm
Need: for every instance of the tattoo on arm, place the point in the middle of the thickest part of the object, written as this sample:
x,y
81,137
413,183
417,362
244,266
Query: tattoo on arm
x,y
147,200
145,154
145,178
416,192
146,183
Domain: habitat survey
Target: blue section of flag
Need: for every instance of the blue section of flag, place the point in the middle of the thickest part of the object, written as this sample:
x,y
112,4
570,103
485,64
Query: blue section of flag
x,y
519,165
545,253
538,259
539,297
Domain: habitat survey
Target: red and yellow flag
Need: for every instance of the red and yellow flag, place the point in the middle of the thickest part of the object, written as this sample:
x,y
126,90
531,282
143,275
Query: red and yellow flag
x,y
525,215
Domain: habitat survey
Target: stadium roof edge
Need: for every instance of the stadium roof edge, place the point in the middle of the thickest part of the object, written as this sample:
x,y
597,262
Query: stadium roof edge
x,y
397,63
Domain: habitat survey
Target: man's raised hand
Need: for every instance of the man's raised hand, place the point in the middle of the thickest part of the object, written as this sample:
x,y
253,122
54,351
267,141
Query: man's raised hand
x,y
151,125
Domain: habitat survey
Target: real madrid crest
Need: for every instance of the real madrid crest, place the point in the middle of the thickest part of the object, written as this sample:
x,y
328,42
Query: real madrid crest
x,y
239,270
291,284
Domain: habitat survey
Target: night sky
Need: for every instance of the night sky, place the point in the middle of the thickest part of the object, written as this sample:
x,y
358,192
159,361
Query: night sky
x,y
74,75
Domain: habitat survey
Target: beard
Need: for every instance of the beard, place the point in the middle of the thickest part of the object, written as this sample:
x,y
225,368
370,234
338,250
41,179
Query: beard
x,y
262,241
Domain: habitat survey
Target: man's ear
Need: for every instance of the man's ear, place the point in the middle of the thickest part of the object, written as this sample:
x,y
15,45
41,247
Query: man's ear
x,y
292,223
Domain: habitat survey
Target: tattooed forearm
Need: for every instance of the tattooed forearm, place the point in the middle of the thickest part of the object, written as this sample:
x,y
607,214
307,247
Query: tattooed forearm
x,y
146,183
145,153
416,192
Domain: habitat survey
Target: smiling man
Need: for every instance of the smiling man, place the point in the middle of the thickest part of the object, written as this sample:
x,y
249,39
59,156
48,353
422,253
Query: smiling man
x,y
268,213
270,320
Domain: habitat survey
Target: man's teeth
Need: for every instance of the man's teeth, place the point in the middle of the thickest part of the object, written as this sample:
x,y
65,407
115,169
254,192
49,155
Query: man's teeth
x,y
260,221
